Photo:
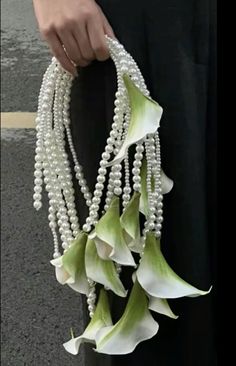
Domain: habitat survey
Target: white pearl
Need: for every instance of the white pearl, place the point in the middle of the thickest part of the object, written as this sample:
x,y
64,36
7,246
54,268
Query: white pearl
x,y
37,205
127,190
137,187
101,179
117,182
136,179
117,191
37,196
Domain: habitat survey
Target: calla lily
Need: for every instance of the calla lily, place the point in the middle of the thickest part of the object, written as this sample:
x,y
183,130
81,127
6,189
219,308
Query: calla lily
x,y
145,118
161,306
108,236
100,319
156,304
130,223
166,185
156,276
70,267
135,325
102,271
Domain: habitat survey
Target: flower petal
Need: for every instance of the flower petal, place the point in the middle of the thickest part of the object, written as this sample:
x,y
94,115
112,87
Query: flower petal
x,y
101,318
102,271
130,223
135,325
108,234
157,278
143,202
161,306
145,118
62,275
166,185
74,263
103,249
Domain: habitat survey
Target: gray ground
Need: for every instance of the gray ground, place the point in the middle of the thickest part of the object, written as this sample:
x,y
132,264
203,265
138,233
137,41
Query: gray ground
x,y
24,56
37,312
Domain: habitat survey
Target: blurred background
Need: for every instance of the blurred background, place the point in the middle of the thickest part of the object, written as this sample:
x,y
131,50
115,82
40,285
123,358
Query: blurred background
x,y
36,311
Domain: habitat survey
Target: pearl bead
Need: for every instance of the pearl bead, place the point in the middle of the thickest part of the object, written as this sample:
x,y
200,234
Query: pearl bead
x,y
138,156
102,171
37,205
117,182
105,155
37,196
117,191
136,179
137,187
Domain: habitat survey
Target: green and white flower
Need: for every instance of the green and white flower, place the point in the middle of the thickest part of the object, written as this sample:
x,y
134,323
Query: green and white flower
x,y
166,185
100,319
102,271
108,236
130,223
158,278
161,306
135,325
145,118
70,267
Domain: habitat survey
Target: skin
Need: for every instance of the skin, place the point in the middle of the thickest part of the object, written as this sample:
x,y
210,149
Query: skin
x,y
74,31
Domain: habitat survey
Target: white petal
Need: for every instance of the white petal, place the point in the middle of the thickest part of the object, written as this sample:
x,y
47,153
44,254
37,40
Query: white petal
x,y
109,238
166,183
145,118
73,345
57,262
157,277
61,275
102,271
135,325
161,306
101,318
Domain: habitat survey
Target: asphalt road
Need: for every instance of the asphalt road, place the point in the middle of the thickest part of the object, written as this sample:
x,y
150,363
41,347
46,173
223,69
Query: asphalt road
x,y
24,56
37,312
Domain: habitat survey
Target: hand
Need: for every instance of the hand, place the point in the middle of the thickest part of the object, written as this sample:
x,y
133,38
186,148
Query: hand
x,y
79,26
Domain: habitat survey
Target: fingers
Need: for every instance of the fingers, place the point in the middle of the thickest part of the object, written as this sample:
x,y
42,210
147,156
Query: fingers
x,y
76,39
107,27
80,33
57,49
97,39
72,48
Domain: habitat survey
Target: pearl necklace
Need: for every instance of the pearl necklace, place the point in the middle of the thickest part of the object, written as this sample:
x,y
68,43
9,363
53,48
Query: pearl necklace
x,y
52,165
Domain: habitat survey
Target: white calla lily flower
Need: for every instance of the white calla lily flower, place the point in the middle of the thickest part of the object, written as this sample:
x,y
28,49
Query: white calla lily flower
x,y
161,306
145,118
100,319
130,223
108,236
102,271
166,185
136,325
70,267
158,278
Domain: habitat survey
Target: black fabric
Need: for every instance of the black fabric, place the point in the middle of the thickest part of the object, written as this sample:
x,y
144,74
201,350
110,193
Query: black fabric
x,y
173,43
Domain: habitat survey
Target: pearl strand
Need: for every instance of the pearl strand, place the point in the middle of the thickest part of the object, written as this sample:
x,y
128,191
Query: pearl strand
x,y
91,298
158,189
52,160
